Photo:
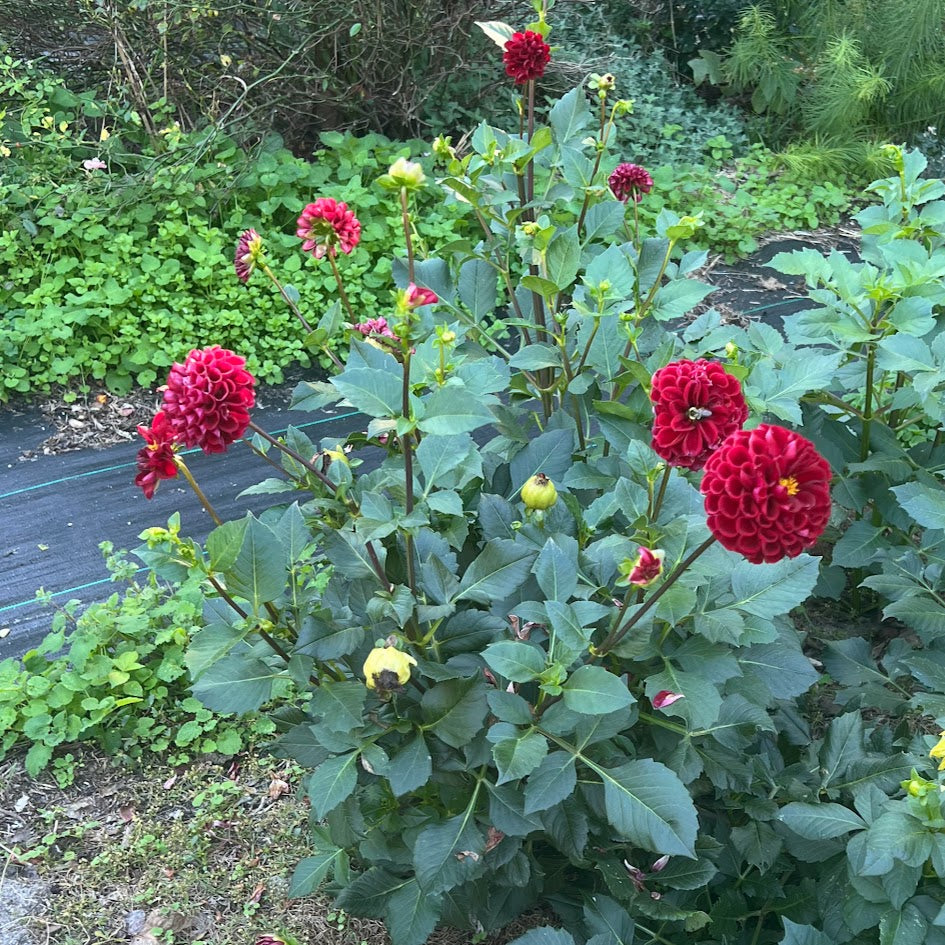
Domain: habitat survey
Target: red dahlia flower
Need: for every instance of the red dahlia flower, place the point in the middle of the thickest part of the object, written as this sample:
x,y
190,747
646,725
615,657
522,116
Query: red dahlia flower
x,y
248,253
327,226
156,457
207,399
525,57
630,180
696,405
767,493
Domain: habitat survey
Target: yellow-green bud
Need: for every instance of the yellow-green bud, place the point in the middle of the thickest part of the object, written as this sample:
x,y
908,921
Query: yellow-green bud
x,y
539,492
403,173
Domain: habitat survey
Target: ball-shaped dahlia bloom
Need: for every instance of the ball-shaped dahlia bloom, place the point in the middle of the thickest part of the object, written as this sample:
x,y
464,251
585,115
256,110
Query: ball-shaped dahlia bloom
x,y
767,493
326,226
696,405
156,458
525,57
630,180
249,250
207,399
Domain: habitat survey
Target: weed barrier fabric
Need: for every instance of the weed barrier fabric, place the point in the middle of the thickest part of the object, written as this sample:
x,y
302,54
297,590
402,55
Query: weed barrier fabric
x,y
56,510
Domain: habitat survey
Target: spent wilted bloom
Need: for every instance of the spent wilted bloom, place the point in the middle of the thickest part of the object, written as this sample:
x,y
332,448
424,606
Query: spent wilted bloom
x,y
94,164
326,226
665,698
525,57
387,668
156,458
643,571
767,494
375,326
249,250
207,398
630,180
696,405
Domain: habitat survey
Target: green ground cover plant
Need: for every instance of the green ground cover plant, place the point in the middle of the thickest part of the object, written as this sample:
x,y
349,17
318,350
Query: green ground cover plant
x,y
114,675
554,664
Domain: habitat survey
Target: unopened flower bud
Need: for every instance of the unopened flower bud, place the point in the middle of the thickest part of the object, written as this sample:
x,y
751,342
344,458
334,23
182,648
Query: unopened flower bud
x,y
403,173
539,492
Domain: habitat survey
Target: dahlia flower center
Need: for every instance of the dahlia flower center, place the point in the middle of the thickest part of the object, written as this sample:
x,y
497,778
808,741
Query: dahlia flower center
x,y
698,413
790,485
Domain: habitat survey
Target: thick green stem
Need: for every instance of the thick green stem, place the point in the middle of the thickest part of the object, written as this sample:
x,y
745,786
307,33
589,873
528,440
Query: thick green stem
x,y
868,406
341,288
204,501
658,502
285,296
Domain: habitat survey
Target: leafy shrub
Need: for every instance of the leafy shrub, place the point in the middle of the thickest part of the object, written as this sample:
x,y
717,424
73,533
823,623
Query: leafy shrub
x,y
503,713
113,674
296,68
839,75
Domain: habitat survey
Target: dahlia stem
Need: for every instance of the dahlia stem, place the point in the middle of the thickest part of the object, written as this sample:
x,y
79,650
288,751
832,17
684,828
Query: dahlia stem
x,y
657,504
286,297
405,218
868,406
341,287
270,641
301,460
618,633
312,468
204,501
601,144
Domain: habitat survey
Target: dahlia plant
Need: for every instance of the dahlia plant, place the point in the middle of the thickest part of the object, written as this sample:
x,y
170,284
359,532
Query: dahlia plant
x,y
554,664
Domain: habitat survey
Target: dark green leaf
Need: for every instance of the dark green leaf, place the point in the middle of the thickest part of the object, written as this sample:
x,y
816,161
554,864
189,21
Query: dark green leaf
x,y
450,410
518,757
647,803
497,572
477,287
820,821
592,690
557,568
237,683
340,704
516,661
411,767
310,872
331,782
371,391
259,572
552,782
456,709
412,914
448,853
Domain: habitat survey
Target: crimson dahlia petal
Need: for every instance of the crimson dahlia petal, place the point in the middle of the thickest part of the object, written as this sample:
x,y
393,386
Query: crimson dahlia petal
x,y
630,180
525,57
156,458
696,405
208,398
326,226
375,326
767,493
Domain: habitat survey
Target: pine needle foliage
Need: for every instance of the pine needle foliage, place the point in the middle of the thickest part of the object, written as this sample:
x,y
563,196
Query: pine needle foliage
x,y
838,73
